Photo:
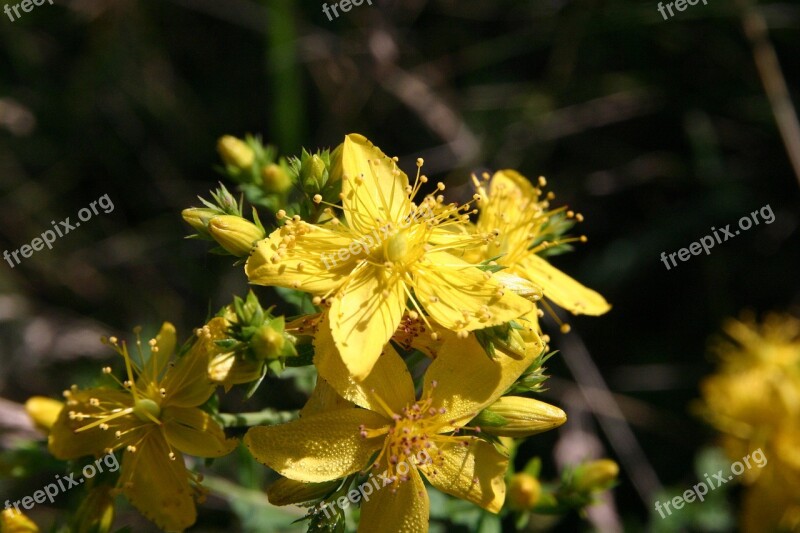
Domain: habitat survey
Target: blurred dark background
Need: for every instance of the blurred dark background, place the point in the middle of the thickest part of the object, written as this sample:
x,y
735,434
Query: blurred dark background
x,y
655,130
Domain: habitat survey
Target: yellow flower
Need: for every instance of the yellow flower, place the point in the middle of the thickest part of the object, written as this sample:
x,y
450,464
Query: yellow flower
x,y
381,257
155,419
754,401
512,207
381,415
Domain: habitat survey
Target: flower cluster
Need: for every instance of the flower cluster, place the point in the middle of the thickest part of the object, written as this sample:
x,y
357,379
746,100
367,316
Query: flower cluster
x,y
426,344
754,401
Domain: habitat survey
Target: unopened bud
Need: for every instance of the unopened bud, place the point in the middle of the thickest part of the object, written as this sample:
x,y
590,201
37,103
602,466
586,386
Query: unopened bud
x,y
515,416
198,218
524,491
288,491
43,411
236,234
595,475
313,174
274,179
267,343
235,152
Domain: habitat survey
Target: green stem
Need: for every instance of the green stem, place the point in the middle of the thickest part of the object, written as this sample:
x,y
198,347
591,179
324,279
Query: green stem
x,y
267,417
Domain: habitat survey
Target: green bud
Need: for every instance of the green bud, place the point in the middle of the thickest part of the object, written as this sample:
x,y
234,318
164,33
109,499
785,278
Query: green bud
x,y
267,343
274,179
235,152
236,234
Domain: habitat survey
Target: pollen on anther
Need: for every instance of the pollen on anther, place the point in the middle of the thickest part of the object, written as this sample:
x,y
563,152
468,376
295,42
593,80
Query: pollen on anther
x,y
131,448
317,198
172,456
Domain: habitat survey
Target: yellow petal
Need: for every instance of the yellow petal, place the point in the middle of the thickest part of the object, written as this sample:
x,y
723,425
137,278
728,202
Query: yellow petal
x,y
157,486
468,380
446,286
474,473
194,432
324,398
364,316
319,447
562,289
404,511
12,521
310,262
166,340
287,491
43,411
230,370
65,442
389,379
187,383
374,188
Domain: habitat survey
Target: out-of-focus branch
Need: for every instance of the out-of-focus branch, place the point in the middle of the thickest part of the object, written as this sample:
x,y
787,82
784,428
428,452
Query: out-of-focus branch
x,y
769,69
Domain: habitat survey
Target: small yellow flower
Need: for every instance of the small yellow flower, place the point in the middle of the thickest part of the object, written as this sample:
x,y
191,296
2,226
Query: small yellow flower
x,y
346,422
381,257
155,419
513,208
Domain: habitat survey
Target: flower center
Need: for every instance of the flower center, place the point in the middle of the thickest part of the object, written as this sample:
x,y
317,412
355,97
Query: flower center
x,y
412,441
144,407
396,248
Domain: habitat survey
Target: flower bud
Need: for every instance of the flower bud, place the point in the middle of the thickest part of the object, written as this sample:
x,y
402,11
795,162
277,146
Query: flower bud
x,y
313,173
515,416
43,411
595,475
267,343
288,491
274,179
235,152
524,491
198,218
236,234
